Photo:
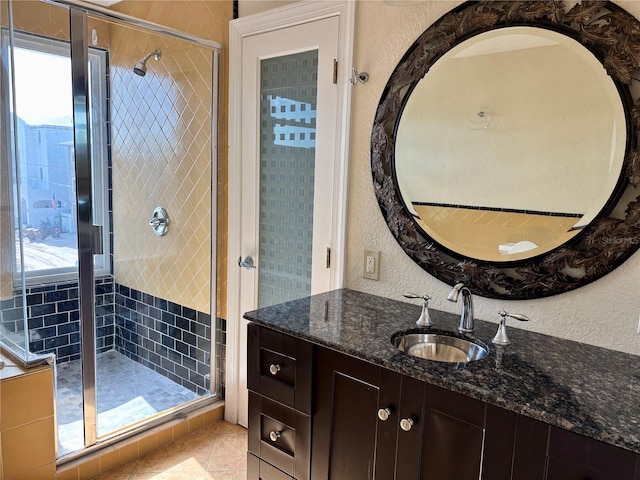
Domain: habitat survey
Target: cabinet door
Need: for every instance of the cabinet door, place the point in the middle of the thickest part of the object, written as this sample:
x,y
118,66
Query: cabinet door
x,y
345,420
453,435
574,457
410,430
530,449
499,439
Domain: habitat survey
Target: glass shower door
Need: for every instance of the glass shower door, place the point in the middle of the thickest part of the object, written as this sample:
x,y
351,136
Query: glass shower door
x,y
159,300
43,207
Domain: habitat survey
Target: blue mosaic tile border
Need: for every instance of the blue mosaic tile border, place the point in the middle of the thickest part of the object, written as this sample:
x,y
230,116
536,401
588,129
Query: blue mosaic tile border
x,y
53,313
172,339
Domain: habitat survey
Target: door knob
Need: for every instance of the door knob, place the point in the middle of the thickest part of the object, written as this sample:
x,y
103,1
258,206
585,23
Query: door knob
x,y
274,369
274,435
246,263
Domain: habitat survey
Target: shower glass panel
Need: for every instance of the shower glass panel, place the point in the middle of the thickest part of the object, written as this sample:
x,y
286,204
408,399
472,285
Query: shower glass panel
x,y
39,247
288,96
153,321
11,304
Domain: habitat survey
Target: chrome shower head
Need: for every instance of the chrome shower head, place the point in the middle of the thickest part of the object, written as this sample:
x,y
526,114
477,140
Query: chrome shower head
x,y
140,68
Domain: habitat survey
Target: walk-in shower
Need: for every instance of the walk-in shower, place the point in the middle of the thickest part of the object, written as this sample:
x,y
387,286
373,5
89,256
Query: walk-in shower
x,y
90,148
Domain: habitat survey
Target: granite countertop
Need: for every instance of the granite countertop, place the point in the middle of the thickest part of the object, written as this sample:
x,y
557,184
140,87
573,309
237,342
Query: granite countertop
x,y
588,390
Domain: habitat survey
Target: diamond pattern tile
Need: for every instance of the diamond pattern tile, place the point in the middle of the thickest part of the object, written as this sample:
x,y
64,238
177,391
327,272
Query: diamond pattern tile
x,y
161,150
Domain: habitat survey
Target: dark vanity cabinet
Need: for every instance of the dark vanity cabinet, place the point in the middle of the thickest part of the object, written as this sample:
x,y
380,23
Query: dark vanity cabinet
x,y
370,422
318,414
279,379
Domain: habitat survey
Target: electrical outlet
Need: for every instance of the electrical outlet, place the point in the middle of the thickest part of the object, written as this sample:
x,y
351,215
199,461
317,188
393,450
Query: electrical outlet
x,y
371,265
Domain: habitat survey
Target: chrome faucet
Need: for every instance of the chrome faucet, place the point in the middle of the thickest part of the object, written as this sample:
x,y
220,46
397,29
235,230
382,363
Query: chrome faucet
x,y
467,323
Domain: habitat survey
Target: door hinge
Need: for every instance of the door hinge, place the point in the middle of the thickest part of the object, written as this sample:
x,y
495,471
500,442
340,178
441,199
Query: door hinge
x,y
328,257
335,74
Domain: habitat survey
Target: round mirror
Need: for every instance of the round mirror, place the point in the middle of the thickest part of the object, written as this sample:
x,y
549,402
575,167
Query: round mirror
x,y
513,141
504,148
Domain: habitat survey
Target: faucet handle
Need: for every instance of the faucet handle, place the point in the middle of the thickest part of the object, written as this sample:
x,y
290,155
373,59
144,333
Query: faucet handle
x,y
424,320
414,295
501,337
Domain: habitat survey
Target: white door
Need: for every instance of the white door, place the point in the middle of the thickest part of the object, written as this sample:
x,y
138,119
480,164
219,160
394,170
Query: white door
x,y
289,167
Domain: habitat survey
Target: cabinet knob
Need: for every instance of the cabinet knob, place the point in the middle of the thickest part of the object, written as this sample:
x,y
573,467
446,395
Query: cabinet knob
x,y
274,435
385,413
274,368
406,424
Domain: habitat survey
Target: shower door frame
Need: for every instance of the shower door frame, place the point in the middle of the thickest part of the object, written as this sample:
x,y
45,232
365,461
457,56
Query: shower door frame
x,y
89,235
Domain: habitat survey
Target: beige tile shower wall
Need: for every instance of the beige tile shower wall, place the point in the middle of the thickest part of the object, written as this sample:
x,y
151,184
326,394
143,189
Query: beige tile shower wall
x,y
41,18
161,154
206,19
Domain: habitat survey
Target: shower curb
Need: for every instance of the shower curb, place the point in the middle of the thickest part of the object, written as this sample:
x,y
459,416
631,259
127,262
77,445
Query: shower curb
x,y
104,458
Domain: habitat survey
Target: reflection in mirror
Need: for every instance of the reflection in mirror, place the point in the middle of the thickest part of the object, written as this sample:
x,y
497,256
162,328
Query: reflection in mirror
x,y
512,142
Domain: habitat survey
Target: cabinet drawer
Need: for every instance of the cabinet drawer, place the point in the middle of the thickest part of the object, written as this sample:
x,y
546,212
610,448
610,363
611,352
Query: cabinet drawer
x,y
279,367
280,436
260,470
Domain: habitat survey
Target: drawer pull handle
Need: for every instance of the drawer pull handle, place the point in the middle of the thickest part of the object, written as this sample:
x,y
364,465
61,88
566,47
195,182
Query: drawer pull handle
x,y
274,435
274,369
385,413
406,424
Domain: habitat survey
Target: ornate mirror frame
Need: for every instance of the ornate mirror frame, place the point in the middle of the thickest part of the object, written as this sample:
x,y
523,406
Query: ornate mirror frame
x,y
613,36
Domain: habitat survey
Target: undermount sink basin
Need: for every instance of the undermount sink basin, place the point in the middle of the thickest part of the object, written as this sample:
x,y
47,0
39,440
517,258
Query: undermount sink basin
x,y
440,347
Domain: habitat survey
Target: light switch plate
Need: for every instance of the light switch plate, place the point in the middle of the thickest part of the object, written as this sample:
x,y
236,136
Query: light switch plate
x,y
371,265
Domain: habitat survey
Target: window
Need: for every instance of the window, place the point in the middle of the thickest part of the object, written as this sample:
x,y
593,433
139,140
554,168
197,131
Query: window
x,y
44,205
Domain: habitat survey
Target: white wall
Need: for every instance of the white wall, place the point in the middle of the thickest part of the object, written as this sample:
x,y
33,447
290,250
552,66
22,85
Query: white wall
x,y
249,7
604,313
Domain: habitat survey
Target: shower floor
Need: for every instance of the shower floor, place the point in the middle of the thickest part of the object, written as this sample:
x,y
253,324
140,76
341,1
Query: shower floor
x,y
127,392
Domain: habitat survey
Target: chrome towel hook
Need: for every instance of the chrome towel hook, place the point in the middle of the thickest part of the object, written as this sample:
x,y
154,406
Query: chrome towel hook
x,y
358,77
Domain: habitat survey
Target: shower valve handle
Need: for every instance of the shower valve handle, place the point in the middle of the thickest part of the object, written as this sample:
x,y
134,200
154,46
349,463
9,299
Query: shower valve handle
x,y
159,221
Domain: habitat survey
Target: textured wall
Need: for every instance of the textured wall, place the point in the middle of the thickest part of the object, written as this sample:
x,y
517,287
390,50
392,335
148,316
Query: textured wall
x,y
604,313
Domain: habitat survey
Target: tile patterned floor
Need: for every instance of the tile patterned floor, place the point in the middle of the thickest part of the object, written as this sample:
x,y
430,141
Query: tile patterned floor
x,y
218,452
127,392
